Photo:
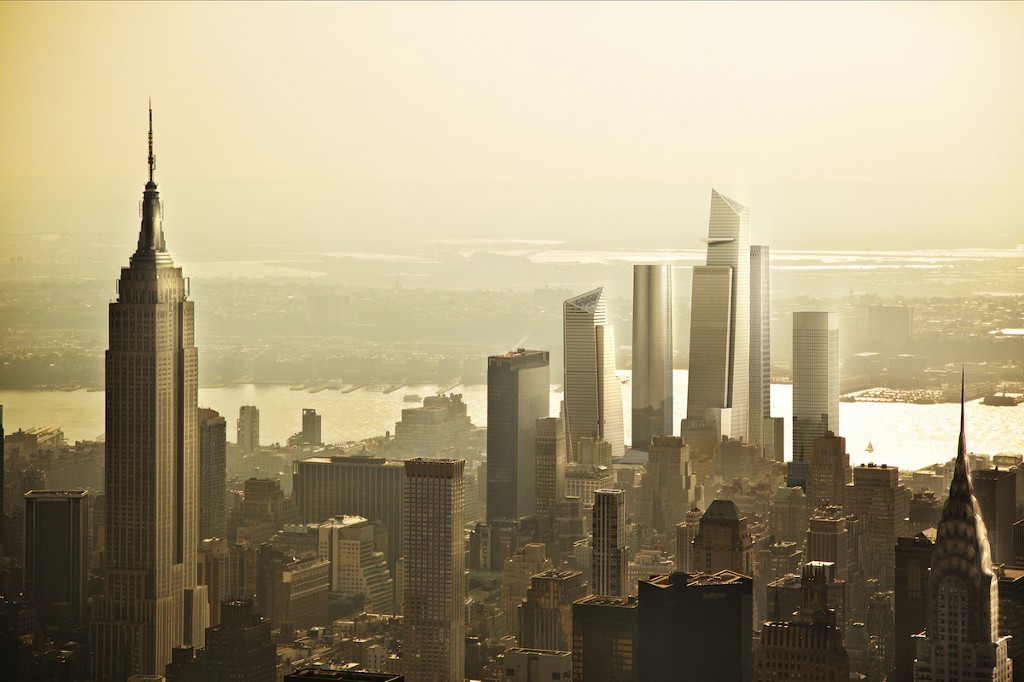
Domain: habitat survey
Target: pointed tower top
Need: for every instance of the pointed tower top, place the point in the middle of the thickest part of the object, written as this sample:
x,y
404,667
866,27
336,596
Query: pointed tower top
x,y
152,158
152,251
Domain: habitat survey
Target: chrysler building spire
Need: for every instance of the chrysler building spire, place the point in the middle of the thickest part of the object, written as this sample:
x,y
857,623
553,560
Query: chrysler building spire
x,y
962,639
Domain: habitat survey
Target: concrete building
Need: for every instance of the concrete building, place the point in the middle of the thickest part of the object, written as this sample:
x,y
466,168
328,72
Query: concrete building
x,y
608,553
551,461
239,648
828,472
212,474
913,561
213,566
515,580
151,492
58,526
593,398
359,485
248,428
604,639
962,640
815,379
545,616
518,394
877,497
809,646
440,427
686,532
652,353
357,567
723,542
1011,615
536,665
668,488
719,386
435,587
699,623
312,431
996,491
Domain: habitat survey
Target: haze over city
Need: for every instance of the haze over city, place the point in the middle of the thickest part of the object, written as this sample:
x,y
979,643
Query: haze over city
x,y
511,342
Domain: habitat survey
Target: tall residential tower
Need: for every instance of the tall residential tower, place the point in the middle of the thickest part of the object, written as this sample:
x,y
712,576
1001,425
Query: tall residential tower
x,y
652,353
151,477
815,380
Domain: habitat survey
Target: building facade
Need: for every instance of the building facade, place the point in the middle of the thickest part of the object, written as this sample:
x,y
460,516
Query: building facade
x,y
57,549
362,485
551,462
652,353
312,431
248,429
719,386
604,639
151,475
761,431
212,474
815,379
434,597
608,548
593,398
518,394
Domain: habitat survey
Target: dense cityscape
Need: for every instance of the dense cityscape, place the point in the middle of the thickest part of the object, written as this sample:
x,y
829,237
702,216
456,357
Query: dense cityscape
x,y
446,458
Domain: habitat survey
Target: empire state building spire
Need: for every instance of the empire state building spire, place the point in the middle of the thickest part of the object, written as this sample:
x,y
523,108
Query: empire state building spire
x,y
152,250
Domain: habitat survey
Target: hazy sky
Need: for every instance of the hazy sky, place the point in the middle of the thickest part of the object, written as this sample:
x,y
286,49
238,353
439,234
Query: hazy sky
x,y
861,125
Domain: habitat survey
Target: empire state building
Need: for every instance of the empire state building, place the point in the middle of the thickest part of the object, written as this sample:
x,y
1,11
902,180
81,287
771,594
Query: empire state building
x,y
150,602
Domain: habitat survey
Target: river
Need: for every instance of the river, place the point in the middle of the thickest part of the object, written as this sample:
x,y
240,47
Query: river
x,y
903,435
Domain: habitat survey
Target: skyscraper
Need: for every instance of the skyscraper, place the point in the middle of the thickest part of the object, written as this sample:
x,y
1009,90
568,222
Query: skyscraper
x,y
996,491
696,626
828,472
668,489
518,394
723,541
762,427
593,398
550,464
248,425
604,639
212,474
240,647
151,477
545,616
608,562
719,384
652,353
878,497
311,427
913,560
363,485
815,380
57,527
434,584
962,640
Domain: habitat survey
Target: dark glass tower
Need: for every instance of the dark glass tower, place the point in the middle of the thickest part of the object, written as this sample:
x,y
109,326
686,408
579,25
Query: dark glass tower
x,y
518,387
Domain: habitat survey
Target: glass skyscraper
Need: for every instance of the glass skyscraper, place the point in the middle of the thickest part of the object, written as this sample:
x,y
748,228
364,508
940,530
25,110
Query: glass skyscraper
x,y
593,398
652,353
815,379
720,323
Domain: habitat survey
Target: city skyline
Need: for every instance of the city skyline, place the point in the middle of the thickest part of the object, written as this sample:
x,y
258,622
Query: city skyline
x,y
427,516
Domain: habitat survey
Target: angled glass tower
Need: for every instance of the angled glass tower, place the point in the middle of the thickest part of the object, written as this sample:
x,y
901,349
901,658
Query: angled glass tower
x,y
962,640
720,323
760,346
652,353
593,398
151,477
